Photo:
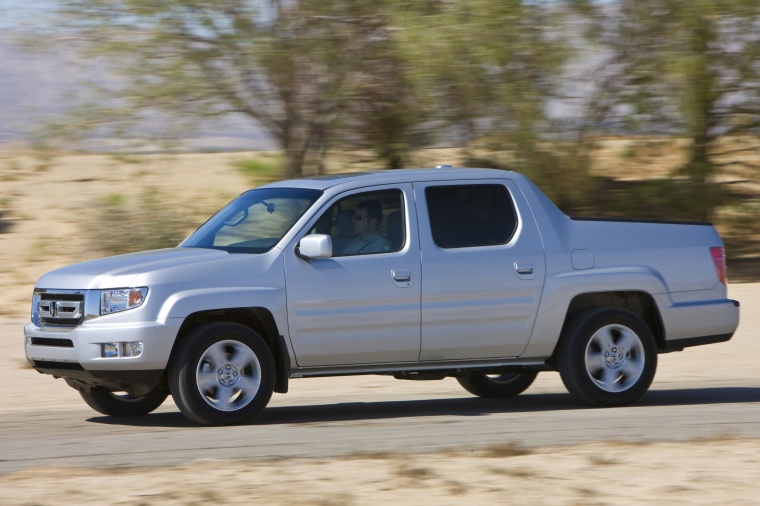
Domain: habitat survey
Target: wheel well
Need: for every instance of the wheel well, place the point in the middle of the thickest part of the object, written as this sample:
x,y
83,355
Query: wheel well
x,y
256,318
640,303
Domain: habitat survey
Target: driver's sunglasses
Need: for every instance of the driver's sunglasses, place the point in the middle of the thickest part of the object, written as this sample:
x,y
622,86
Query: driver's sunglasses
x,y
359,217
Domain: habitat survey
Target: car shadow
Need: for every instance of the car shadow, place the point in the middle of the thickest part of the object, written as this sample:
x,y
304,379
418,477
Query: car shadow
x,y
469,406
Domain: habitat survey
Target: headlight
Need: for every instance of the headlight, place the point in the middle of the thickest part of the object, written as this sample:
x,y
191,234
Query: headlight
x,y
121,299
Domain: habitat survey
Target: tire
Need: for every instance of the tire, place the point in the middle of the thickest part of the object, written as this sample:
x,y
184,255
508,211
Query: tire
x,y
123,404
607,357
508,384
223,374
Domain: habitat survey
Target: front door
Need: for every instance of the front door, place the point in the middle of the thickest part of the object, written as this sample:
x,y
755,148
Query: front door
x,y
362,305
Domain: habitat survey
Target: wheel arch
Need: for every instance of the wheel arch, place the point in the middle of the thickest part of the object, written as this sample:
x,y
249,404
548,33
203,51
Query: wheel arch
x,y
258,319
638,302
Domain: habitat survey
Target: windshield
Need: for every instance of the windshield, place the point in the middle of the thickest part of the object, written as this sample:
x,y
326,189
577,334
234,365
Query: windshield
x,y
254,222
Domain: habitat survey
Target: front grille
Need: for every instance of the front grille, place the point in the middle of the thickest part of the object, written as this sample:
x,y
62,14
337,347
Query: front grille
x,y
61,296
61,322
61,366
61,309
56,343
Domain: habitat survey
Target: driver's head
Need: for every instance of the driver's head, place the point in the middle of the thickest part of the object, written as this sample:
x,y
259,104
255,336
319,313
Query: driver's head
x,y
367,218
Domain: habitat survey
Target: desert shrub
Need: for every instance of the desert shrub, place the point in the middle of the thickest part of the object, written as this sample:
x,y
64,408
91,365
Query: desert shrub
x,y
147,222
504,450
262,169
744,218
662,199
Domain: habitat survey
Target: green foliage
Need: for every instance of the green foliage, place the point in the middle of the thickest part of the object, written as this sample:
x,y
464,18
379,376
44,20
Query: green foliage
x,y
392,77
489,68
265,167
114,201
688,67
383,112
658,199
368,74
289,67
629,153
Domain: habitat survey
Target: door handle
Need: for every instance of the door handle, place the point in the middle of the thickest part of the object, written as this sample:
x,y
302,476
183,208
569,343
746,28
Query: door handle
x,y
524,268
401,275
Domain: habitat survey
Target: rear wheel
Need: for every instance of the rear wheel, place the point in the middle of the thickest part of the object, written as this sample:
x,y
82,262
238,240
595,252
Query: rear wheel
x,y
508,384
607,357
122,404
223,375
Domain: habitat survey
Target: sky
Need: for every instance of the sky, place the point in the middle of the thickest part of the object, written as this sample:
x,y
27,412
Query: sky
x,y
17,13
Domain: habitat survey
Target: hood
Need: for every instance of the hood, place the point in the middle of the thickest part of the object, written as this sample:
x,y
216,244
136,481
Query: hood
x,y
134,269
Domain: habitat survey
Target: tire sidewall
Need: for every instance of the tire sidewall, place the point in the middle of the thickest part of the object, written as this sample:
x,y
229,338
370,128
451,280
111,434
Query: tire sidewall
x,y
182,373
111,404
482,385
572,356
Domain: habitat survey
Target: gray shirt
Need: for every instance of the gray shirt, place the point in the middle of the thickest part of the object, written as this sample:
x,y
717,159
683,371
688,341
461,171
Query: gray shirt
x,y
376,243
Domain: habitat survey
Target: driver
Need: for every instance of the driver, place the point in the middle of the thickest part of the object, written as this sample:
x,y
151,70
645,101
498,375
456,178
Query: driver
x,y
366,223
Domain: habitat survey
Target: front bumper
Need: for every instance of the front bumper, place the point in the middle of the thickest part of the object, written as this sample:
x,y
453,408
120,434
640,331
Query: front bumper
x,y
79,348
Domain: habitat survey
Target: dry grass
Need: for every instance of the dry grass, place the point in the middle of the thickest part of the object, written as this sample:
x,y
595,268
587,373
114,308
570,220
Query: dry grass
x,y
506,450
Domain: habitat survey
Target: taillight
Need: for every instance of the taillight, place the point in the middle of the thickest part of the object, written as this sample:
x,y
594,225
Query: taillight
x,y
719,260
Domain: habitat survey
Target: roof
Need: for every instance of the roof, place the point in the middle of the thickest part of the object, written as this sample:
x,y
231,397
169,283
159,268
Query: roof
x,y
378,177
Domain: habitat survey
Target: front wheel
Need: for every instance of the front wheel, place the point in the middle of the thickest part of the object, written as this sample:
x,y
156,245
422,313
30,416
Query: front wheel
x,y
123,404
607,357
223,375
508,384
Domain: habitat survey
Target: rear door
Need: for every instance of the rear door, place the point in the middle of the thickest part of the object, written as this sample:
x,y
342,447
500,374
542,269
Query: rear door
x,y
483,269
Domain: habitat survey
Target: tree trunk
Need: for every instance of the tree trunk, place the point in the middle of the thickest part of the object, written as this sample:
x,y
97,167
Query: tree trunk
x,y
295,144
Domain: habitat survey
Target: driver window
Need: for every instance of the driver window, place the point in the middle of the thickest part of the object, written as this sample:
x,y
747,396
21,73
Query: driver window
x,y
365,223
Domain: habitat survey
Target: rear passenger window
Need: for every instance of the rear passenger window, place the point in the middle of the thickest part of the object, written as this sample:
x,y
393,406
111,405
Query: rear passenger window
x,y
472,215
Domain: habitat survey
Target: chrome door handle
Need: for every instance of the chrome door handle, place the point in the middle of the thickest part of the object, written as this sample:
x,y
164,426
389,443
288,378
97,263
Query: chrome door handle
x,y
401,275
524,268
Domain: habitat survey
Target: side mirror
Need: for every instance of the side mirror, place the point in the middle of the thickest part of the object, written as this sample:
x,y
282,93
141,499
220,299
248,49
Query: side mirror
x,y
315,246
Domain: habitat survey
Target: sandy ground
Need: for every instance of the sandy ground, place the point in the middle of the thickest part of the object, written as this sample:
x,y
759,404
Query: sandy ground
x,y
699,473
38,237
47,209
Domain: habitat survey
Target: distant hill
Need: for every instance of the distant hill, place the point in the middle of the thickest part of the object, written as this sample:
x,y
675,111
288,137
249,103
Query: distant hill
x,y
34,86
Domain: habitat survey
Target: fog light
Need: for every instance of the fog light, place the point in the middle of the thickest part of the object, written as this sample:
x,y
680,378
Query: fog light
x,y
129,349
109,350
133,349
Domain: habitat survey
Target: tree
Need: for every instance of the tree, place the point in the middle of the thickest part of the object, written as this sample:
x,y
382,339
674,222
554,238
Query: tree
x,y
489,69
299,68
288,66
690,67
384,114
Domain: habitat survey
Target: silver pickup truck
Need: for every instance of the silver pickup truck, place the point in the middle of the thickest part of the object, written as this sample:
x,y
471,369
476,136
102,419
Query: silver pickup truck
x,y
419,274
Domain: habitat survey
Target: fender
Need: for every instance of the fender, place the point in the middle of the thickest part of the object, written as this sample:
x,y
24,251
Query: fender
x,y
180,305
561,289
